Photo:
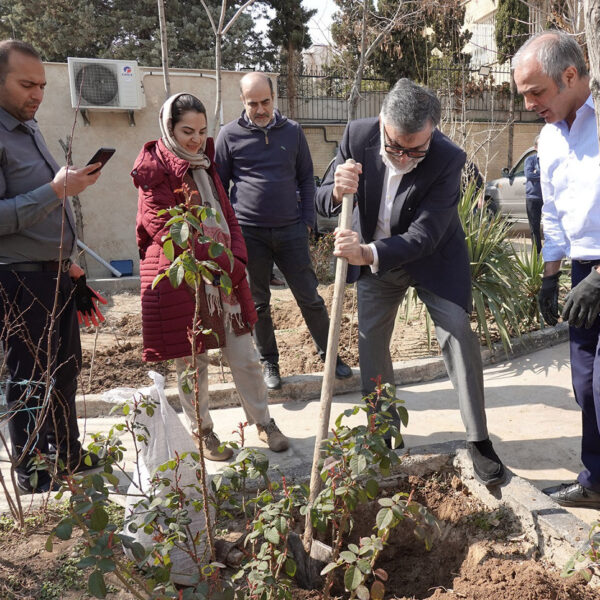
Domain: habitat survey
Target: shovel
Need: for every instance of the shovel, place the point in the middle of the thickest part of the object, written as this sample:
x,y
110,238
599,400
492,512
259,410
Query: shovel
x,y
311,555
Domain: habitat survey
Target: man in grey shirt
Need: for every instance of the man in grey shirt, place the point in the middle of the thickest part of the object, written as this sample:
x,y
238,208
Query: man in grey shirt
x,y
38,282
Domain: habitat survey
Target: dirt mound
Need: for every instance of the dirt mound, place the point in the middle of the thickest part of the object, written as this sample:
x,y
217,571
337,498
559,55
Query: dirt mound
x,y
119,366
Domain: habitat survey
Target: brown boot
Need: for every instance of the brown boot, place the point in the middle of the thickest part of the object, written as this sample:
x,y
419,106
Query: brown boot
x,y
210,445
271,434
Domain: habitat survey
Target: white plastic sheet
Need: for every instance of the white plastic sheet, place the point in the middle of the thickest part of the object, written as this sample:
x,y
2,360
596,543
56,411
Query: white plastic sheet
x,y
167,437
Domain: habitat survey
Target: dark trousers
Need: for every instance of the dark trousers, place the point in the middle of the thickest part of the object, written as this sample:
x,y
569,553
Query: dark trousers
x,y
45,413
287,247
534,216
585,374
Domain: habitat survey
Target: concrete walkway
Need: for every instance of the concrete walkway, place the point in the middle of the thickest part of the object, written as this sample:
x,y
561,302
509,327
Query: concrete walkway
x,y
533,420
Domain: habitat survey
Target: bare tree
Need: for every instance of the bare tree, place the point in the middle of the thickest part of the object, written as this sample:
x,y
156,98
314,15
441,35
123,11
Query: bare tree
x,y
220,30
162,23
367,51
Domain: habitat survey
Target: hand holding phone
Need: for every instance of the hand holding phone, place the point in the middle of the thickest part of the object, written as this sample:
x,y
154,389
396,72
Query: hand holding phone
x,y
102,156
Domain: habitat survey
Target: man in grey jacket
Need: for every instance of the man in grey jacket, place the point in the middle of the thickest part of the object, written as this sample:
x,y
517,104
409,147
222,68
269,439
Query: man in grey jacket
x,y
265,158
40,336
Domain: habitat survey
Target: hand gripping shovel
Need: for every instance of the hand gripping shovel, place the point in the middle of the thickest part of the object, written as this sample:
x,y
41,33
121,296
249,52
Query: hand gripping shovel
x,y
311,555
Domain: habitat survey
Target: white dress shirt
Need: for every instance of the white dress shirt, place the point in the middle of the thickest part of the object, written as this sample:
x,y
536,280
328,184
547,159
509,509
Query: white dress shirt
x,y
570,178
391,183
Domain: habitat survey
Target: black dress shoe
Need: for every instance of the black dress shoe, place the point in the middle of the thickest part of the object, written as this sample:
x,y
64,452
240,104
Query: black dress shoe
x,y
488,468
342,370
573,494
271,376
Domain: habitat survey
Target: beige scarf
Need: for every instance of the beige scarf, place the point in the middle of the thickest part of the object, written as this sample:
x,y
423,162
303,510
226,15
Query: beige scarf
x,y
214,227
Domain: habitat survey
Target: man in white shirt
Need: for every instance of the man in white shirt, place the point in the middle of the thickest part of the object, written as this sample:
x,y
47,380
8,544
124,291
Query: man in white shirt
x,y
407,233
551,73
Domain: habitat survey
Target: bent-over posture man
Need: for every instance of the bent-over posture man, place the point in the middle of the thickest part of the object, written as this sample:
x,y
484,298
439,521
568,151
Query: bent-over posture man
x,y
37,239
551,73
408,233
266,157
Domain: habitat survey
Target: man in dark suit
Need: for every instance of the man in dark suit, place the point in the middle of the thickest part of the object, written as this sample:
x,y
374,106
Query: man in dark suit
x,y
407,233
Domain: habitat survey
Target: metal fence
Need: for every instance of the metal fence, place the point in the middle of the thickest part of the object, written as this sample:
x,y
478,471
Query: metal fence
x,y
481,93
321,97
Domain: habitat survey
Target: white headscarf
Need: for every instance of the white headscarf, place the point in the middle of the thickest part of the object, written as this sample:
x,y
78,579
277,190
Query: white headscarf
x,y
214,227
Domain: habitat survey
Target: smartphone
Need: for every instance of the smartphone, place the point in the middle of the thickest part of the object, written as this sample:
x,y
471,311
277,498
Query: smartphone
x,y
101,156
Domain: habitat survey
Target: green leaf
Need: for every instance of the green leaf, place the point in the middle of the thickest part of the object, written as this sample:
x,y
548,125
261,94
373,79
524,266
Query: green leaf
x,y
64,529
347,556
215,249
184,232
169,250
49,544
190,279
352,578
99,519
86,561
290,567
271,535
384,518
96,585
111,478
106,565
372,488
175,230
364,565
358,465
330,567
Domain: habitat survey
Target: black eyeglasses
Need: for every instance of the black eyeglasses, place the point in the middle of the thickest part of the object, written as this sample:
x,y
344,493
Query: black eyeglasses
x,y
399,151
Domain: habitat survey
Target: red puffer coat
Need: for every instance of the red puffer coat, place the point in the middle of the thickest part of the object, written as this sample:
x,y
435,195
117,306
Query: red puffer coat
x,y
167,312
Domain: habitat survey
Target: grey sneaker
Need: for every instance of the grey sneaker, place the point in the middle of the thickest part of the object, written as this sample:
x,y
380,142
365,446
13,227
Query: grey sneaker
x,y
210,445
271,435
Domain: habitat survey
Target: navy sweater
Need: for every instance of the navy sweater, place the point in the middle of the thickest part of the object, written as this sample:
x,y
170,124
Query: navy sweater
x,y
270,171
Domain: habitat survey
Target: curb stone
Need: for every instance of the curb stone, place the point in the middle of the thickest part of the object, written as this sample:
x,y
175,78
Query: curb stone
x,y
308,387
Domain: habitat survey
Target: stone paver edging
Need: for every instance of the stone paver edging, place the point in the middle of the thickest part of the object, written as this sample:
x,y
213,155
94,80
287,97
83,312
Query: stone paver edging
x,y
308,387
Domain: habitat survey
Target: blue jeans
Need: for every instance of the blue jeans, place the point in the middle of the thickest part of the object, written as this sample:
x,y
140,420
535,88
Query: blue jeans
x,y
287,247
585,375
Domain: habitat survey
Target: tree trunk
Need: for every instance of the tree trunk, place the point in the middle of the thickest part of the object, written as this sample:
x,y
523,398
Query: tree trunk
x,y
355,91
162,24
511,120
592,35
291,80
214,129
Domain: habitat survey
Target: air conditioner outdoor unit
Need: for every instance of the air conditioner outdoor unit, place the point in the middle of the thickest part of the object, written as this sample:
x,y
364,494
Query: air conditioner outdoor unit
x,y
105,84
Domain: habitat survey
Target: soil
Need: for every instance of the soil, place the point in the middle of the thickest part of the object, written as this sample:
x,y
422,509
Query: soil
x,y
112,354
477,555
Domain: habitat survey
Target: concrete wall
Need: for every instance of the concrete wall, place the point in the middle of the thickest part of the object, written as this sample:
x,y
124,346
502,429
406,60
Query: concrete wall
x,y
485,143
109,207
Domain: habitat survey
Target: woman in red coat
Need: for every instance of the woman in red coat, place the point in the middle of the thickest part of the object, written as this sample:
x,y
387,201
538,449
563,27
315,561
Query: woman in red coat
x,y
182,159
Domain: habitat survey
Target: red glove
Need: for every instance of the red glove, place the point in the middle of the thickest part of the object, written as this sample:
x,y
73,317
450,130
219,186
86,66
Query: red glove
x,y
86,301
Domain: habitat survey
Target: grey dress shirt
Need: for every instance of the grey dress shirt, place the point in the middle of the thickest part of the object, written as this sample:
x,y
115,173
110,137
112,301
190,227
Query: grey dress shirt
x,y
31,219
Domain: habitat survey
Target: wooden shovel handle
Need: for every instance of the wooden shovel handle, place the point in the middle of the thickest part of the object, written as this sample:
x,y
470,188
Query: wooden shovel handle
x,y
335,318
